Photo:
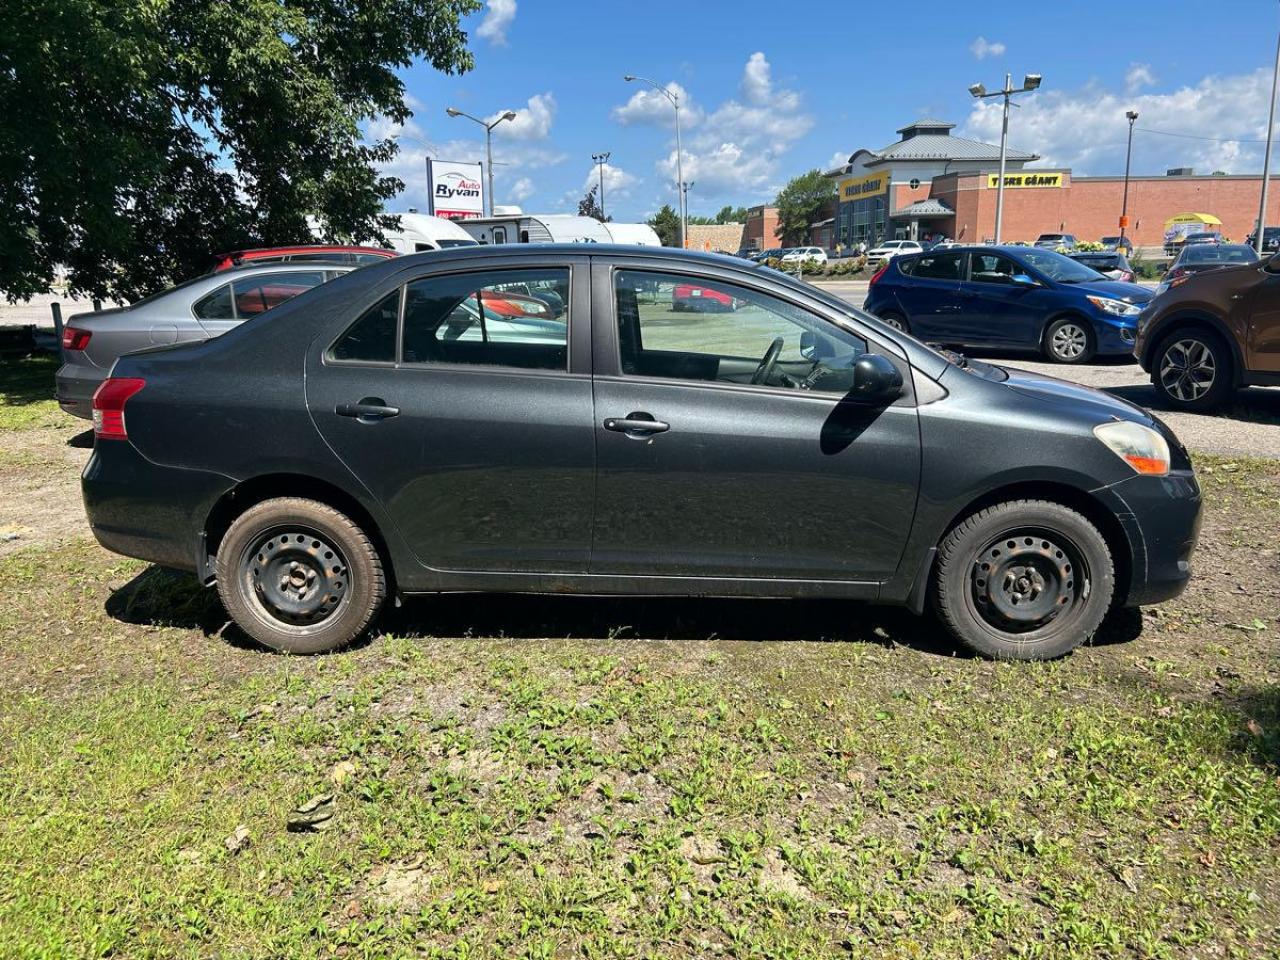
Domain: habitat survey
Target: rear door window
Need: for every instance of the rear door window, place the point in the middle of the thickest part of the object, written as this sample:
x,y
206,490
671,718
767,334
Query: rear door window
x,y
937,266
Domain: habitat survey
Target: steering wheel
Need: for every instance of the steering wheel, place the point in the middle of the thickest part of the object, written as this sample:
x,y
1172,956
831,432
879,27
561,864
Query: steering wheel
x,y
767,363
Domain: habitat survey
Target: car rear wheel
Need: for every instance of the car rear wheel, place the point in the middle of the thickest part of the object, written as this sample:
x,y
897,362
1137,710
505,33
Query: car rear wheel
x,y
299,576
896,320
1023,580
1069,340
1193,370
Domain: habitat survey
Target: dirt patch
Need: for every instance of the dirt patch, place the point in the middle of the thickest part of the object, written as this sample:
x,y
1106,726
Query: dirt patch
x,y
40,475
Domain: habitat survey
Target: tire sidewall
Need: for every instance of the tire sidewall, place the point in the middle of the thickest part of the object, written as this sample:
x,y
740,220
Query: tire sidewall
x,y
366,585
1090,347
959,552
897,321
1223,361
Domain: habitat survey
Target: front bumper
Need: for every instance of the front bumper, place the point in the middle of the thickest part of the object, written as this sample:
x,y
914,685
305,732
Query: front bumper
x,y
1114,339
74,386
145,510
1161,520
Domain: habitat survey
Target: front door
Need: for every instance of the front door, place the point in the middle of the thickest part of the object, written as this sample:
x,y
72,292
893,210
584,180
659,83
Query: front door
x,y
994,309
472,425
726,445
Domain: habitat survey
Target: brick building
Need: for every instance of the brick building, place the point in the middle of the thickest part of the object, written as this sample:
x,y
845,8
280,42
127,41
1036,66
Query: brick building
x,y
930,182
760,232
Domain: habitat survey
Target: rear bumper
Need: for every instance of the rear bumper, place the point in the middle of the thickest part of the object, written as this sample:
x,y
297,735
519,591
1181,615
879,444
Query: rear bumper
x,y
74,385
1161,519
144,510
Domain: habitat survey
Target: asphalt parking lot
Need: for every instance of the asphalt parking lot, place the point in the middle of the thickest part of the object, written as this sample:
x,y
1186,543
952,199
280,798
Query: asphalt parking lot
x,y
1250,427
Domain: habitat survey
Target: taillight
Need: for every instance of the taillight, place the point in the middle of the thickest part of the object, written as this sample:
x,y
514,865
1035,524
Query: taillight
x,y
73,338
108,406
879,273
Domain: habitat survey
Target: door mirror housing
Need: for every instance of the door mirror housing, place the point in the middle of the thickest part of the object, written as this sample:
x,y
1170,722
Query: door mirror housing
x,y
1023,280
875,380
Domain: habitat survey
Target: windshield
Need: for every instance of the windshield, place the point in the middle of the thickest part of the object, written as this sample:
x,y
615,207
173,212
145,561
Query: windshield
x,y
1057,267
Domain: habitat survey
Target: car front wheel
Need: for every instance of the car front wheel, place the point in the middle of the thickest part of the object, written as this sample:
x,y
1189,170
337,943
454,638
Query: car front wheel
x,y
299,576
1193,370
1069,340
1023,580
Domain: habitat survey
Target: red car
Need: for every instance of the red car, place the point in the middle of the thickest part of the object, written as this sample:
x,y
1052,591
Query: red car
x,y
330,253
687,296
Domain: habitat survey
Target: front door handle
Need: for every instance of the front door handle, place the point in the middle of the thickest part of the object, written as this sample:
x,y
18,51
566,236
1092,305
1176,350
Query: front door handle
x,y
636,424
368,410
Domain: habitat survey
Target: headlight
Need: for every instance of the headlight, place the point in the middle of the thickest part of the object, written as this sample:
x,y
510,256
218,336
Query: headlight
x,y
1140,447
1117,308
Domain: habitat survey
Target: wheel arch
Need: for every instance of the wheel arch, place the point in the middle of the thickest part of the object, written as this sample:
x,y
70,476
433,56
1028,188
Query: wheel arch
x,y
1192,319
255,490
1064,494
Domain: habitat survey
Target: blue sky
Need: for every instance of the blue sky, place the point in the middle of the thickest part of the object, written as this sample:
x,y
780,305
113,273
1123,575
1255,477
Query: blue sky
x,y
772,90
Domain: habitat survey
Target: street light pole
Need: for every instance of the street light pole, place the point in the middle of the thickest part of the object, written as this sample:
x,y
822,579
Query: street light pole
x,y
488,141
1132,115
1030,82
1259,235
600,160
674,100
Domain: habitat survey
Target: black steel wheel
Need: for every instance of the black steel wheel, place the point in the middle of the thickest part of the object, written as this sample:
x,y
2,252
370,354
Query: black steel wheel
x,y
1024,580
299,576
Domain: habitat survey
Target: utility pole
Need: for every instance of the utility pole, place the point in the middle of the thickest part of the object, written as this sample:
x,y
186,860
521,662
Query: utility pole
x,y
1132,115
1260,234
600,160
488,141
1030,82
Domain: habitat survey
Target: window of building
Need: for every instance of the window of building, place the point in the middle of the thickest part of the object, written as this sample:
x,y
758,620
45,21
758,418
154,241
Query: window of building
x,y
687,328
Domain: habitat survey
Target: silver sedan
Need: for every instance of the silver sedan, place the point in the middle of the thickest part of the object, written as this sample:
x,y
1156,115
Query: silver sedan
x,y
196,310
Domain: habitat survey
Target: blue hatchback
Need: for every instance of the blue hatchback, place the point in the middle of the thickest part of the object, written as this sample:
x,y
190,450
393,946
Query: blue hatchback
x,y
1009,297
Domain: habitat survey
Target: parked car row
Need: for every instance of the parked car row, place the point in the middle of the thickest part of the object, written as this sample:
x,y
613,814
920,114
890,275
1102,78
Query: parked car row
x,y
391,432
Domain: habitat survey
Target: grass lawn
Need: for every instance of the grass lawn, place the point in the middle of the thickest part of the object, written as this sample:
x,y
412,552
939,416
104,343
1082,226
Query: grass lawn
x,y
578,777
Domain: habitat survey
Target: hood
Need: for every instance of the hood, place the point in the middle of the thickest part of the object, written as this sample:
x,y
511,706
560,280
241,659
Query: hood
x,y
1115,289
1097,406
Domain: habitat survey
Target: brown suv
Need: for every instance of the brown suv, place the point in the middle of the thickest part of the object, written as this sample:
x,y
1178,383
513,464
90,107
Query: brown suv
x,y
1207,334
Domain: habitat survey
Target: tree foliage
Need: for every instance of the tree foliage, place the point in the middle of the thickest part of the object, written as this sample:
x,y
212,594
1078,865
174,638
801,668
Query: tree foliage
x,y
732,215
138,137
799,204
587,207
666,224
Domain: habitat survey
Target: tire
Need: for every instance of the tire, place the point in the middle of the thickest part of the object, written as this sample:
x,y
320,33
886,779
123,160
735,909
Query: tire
x,y
1069,340
1183,360
895,320
1059,569
299,576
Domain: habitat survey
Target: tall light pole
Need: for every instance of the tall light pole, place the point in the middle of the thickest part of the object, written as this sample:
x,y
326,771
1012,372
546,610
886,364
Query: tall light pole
x,y
684,197
674,100
1030,82
600,159
488,141
1260,233
1132,115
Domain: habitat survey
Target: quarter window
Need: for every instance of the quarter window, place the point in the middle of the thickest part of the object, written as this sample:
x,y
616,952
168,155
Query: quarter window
x,y
215,305
689,328
372,338
502,318
259,294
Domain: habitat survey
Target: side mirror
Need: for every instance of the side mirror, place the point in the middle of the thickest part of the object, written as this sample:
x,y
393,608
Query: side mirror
x,y
1022,280
875,380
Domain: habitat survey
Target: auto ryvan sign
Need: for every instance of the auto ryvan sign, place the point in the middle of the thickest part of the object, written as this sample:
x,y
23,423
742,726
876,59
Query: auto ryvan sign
x,y
456,189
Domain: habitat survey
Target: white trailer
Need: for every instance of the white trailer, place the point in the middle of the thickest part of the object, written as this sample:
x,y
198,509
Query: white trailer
x,y
511,225
640,234
419,232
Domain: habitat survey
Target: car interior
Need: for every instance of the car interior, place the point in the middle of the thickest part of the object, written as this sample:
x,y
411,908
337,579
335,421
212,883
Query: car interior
x,y
764,342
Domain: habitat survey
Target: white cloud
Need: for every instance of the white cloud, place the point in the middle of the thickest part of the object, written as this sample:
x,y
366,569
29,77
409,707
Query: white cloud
x,y
532,122
498,15
1221,119
1139,75
838,159
616,180
732,152
520,191
648,106
983,48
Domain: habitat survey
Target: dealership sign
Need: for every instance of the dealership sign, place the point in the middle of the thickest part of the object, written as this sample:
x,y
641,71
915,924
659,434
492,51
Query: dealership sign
x,y
856,188
455,190
1030,178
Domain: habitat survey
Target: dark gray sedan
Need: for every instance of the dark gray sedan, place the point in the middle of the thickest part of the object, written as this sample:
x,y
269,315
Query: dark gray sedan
x,y
399,431
196,310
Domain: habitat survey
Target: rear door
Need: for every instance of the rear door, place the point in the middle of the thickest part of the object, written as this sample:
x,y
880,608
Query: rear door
x,y
704,473
474,429
929,292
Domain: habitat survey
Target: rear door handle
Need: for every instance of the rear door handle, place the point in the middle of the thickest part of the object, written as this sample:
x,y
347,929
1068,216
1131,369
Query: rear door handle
x,y
636,424
368,410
